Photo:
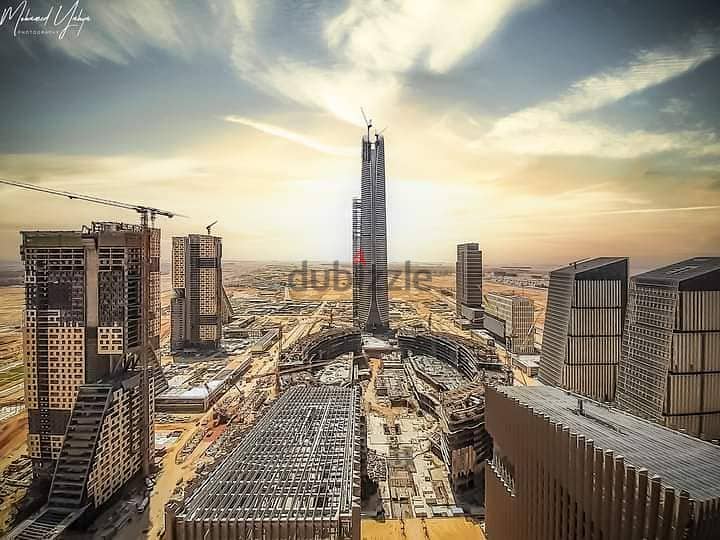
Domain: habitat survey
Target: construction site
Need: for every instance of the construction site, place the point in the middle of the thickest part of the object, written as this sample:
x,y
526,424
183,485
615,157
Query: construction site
x,y
277,419
295,474
420,448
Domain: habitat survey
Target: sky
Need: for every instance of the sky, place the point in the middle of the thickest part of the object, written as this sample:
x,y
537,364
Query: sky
x,y
547,131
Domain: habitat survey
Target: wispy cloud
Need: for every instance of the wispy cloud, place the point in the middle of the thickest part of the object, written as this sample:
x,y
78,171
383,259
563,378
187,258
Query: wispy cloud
x,y
371,46
554,215
120,31
394,36
304,140
646,69
653,210
553,127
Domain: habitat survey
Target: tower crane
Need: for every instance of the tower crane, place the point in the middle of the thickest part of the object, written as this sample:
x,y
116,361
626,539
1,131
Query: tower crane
x,y
147,221
368,122
147,213
210,226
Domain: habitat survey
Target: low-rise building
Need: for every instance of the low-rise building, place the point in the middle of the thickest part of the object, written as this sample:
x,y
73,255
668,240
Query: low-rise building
x,y
510,318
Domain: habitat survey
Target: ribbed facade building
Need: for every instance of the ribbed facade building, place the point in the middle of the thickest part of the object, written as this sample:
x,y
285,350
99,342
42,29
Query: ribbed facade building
x,y
568,468
356,257
468,277
510,317
582,337
91,322
196,309
670,367
373,307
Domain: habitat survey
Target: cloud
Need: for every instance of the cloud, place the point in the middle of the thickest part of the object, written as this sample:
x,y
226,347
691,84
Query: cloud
x,y
369,49
360,56
653,210
392,36
576,138
676,107
120,31
343,151
646,69
553,127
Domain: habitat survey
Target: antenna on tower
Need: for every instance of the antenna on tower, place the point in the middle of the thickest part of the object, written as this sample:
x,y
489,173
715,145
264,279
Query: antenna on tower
x,y
368,121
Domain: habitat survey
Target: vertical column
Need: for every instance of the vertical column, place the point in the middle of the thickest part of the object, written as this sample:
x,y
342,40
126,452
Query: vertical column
x,y
608,469
618,488
654,508
629,506
571,493
642,501
597,500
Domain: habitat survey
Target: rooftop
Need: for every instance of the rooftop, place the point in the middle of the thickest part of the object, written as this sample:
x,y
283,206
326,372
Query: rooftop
x,y
683,462
578,267
682,270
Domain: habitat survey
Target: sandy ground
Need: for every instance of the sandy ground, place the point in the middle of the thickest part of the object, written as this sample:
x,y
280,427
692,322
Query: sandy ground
x,y
419,529
12,438
11,309
12,446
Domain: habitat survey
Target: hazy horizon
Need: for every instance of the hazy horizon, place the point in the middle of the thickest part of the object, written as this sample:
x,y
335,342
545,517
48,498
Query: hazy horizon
x,y
545,133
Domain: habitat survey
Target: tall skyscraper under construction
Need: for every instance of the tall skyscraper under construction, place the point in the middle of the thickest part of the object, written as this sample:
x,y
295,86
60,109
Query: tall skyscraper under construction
x,y
356,228
582,337
91,325
371,257
670,366
197,306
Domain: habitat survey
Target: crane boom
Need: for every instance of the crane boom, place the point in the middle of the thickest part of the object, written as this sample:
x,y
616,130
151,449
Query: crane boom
x,y
145,211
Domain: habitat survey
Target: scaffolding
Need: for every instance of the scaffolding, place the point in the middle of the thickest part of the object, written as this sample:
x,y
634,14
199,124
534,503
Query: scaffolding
x,y
296,474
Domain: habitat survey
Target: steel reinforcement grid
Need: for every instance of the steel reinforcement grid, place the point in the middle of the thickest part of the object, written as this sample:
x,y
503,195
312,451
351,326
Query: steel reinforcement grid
x,y
296,474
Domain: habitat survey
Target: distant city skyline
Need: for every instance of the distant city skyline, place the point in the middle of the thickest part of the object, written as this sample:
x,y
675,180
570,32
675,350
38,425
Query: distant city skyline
x,y
547,133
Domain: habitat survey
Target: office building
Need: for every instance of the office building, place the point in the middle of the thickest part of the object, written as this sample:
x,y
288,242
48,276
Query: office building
x,y
91,325
294,475
373,307
510,319
357,256
582,337
196,309
468,282
670,367
566,467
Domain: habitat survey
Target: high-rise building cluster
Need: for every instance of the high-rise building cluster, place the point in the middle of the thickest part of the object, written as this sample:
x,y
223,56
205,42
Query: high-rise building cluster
x,y
197,305
650,344
370,264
